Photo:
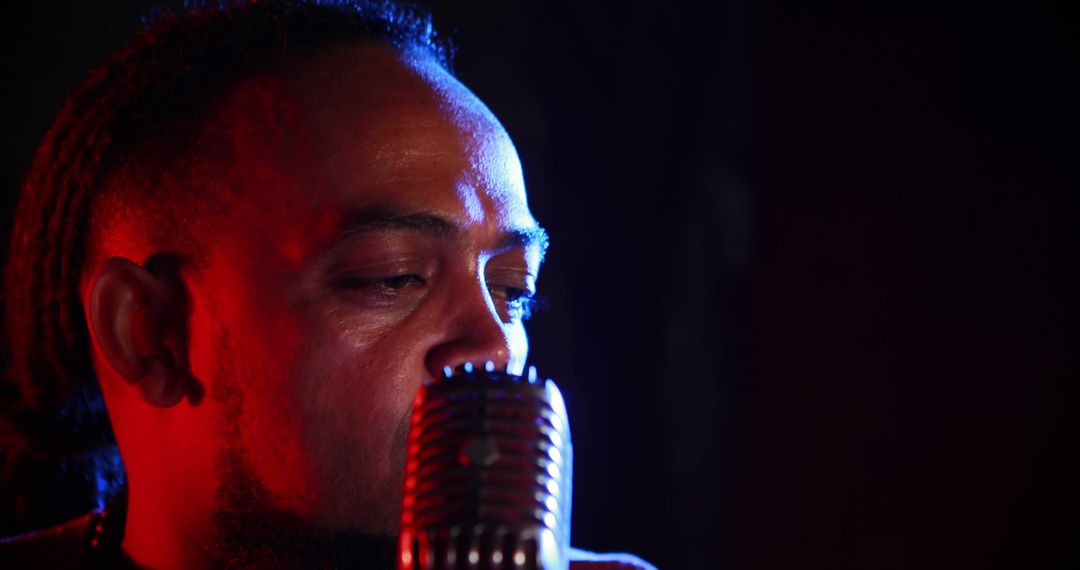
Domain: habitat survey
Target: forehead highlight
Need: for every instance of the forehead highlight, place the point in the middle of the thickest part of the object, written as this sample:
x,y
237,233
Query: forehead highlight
x,y
407,108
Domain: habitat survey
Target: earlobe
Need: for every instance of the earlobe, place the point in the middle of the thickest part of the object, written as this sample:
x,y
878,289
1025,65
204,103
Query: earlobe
x,y
163,384
127,314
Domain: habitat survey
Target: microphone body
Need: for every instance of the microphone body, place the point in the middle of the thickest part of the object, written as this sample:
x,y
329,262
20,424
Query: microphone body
x,y
488,476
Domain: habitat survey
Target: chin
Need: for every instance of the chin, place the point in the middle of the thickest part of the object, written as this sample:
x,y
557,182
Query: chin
x,y
362,517
359,504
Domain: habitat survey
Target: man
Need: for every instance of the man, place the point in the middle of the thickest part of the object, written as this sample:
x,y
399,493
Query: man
x,y
258,229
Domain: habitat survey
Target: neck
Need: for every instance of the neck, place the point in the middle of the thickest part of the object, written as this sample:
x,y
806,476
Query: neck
x,y
159,535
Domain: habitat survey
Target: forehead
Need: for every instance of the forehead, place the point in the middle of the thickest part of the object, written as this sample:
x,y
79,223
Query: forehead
x,y
366,127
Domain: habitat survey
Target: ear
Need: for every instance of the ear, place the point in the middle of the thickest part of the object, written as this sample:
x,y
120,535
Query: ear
x,y
131,314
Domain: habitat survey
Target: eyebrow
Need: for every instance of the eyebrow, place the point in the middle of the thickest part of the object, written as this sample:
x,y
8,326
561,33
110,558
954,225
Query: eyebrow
x,y
373,220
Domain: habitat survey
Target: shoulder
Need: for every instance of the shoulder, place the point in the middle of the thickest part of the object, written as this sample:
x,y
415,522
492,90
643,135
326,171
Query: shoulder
x,y
83,542
585,560
61,546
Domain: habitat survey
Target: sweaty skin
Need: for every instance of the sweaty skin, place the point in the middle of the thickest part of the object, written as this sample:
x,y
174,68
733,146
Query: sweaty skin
x,y
375,230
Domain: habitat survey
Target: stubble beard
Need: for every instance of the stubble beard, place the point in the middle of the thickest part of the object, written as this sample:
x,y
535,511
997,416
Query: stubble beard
x,y
250,532
254,534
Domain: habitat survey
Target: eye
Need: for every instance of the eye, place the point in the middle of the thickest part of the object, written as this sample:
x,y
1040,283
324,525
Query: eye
x,y
382,289
517,303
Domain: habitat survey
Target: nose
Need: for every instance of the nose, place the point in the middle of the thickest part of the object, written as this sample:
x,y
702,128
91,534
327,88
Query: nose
x,y
473,333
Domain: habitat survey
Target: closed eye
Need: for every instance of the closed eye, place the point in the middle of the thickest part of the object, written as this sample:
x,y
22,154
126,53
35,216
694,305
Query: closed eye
x,y
382,290
516,303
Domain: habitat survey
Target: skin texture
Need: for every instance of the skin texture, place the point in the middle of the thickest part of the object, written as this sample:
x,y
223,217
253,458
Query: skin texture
x,y
373,229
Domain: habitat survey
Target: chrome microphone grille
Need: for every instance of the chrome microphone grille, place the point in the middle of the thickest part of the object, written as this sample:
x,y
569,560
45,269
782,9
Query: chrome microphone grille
x,y
488,475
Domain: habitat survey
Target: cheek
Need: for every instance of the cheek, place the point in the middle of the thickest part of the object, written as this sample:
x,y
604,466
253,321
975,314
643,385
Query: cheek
x,y
356,383
272,425
353,371
254,341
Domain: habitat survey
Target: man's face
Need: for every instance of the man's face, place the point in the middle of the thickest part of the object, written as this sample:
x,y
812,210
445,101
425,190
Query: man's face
x,y
378,232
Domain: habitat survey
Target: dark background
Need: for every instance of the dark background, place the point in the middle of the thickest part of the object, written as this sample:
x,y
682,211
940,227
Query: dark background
x,y
810,267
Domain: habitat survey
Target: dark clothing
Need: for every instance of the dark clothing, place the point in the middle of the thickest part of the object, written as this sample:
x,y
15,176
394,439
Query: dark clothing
x,y
93,541
89,541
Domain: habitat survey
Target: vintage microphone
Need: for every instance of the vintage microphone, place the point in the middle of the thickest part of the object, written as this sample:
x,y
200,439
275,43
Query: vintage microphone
x,y
488,474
